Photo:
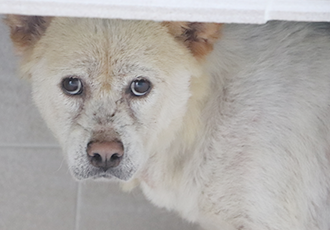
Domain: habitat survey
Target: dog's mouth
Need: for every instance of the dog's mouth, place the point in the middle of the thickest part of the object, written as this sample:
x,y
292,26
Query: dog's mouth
x,y
121,172
103,176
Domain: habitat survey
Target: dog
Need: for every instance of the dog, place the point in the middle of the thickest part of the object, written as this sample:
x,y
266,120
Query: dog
x,y
226,124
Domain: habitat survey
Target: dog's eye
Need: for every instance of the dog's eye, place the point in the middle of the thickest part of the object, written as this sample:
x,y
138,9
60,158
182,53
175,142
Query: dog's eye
x,y
72,85
140,87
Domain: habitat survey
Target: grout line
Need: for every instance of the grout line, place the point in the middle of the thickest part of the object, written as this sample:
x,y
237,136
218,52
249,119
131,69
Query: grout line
x,y
78,201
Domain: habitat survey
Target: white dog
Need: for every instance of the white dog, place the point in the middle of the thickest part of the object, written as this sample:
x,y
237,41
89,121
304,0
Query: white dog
x,y
228,125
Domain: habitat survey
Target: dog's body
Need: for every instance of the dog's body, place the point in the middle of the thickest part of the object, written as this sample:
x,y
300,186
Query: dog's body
x,y
234,138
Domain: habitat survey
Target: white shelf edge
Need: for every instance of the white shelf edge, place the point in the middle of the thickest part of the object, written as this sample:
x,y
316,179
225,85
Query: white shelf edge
x,y
251,11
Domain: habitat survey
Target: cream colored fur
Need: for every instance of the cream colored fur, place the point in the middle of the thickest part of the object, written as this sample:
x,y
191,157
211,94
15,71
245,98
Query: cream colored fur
x,y
238,138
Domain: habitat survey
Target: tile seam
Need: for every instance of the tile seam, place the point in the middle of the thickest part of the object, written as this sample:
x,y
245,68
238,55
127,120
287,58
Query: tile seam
x,y
78,201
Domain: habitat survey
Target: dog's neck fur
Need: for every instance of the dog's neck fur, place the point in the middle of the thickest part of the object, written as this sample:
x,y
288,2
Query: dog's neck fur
x,y
170,175
176,159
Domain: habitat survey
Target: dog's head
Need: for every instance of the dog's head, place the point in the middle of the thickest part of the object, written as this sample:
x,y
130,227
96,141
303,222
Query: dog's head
x,y
114,92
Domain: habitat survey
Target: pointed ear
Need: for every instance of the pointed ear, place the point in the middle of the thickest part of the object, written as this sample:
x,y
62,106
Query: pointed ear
x,y
25,31
198,37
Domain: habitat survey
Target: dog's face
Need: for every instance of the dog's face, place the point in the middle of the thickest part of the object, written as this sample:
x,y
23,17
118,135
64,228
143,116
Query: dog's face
x,y
113,92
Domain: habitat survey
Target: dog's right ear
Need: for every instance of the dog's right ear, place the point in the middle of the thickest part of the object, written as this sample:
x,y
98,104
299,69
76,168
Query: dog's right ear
x,y
25,31
198,37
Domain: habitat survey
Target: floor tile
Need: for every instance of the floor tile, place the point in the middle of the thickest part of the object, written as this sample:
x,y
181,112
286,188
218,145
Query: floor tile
x,y
104,205
36,190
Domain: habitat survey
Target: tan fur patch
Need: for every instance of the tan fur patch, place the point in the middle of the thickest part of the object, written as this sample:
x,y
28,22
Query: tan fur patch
x,y
198,37
26,30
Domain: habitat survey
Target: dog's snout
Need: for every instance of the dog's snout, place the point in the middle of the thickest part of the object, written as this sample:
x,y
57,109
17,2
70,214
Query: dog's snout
x,y
105,155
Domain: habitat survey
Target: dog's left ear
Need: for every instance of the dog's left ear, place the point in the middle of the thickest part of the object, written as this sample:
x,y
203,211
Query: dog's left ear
x,y
198,37
25,31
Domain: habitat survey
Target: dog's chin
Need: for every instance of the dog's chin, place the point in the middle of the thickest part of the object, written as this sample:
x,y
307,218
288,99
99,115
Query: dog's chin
x,y
120,173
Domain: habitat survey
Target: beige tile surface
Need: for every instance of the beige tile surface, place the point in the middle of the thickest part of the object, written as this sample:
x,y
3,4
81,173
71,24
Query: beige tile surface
x,y
104,205
36,190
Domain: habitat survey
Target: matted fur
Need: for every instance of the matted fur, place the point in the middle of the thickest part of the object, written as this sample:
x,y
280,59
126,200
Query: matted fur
x,y
235,132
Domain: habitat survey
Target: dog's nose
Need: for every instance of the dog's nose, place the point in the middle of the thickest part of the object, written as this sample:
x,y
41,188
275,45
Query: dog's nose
x,y
105,155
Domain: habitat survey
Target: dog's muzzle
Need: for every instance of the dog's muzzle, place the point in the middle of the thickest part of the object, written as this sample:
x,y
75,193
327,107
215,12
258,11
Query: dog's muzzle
x,y
105,159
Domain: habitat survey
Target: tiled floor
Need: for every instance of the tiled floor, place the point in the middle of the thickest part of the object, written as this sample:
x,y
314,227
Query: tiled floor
x,y
36,189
